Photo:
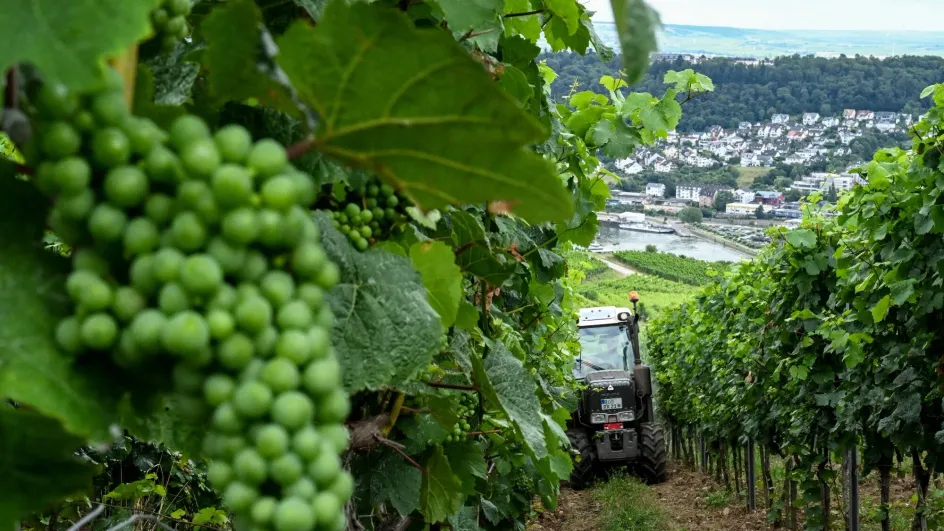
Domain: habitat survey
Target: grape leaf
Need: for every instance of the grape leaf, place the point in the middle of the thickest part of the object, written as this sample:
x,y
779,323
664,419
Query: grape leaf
x,y
636,25
473,252
37,464
437,266
414,107
516,84
566,10
32,369
385,331
395,479
174,76
465,15
902,291
558,35
528,26
802,238
467,460
231,57
880,310
466,519
69,41
505,383
441,491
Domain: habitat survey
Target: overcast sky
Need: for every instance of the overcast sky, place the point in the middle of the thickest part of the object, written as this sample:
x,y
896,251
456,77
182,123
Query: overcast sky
x,y
795,14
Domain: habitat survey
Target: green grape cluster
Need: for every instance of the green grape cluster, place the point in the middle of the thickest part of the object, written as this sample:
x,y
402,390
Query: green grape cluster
x,y
196,250
170,23
467,411
367,214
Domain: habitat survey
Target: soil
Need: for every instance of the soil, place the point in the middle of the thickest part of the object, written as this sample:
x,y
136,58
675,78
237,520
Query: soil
x,y
576,511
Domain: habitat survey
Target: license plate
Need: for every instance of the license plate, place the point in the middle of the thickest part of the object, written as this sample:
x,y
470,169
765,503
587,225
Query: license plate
x,y
611,403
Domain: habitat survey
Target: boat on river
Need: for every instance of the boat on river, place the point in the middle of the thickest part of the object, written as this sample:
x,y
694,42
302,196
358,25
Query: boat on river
x,y
647,227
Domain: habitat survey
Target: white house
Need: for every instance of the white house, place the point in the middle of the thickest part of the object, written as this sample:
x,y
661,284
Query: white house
x,y
831,121
655,190
780,118
688,192
664,167
742,209
865,115
810,118
744,196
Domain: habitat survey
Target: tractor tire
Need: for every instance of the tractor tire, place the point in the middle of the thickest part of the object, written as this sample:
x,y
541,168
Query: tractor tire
x,y
652,465
581,476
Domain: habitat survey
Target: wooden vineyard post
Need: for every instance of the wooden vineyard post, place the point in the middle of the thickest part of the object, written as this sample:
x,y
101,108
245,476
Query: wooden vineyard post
x,y
852,480
749,472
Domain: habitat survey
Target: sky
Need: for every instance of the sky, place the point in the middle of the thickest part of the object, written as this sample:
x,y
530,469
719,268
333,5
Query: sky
x,y
881,15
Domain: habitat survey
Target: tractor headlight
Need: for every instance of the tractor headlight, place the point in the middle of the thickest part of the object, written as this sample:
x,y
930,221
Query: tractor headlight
x,y
623,316
597,418
625,416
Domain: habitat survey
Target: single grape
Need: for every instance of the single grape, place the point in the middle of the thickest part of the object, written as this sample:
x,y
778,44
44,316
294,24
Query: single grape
x,y
271,228
61,140
173,299
220,474
252,399
263,511
239,497
281,374
107,223
54,100
142,275
146,329
126,186
324,469
231,258
110,147
336,436
267,157
319,338
234,143
143,134
227,420
329,276
304,488
109,108
188,232
141,236
186,334
232,185
343,486
218,388
159,208
292,410
293,345
293,514
84,121
326,507
224,299
187,129
221,323
99,331
312,295
72,175
167,263
69,336
352,210
253,314
308,260
333,407
200,274
200,158
77,206
236,352
266,342
278,287
176,26
272,441
249,466
325,318
240,226
127,303
305,192
279,192
322,376
294,314
163,165
254,267
287,468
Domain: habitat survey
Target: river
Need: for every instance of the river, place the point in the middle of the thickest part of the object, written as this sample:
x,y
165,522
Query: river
x,y
614,239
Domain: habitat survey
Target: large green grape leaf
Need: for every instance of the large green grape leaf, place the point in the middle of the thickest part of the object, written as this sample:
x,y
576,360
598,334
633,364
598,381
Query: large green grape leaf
x,y
505,383
437,266
473,252
174,76
467,460
70,40
636,24
231,57
528,26
441,491
399,482
38,464
466,519
414,107
568,11
32,301
385,331
465,15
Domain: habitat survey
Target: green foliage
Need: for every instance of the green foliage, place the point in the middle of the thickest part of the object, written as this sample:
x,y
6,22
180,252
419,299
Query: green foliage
x,y
831,337
210,314
625,503
672,267
691,215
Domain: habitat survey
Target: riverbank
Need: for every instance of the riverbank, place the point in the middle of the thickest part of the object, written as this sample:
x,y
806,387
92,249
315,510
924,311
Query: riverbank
x,y
742,249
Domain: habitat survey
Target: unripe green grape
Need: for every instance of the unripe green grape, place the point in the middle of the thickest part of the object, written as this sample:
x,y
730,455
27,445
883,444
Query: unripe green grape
x,y
84,121
141,236
107,223
186,334
218,388
167,263
250,467
267,157
299,227
142,274
220,474
173,299
253,314
335,436
159,208
294,346
325,318
234,143
271,227
343,486
187,379
72,175
294,315
377,214
200,274
200,158
263,511
142,134
319,339
45,178
69,336
272,441
61,140
146,329
127,303
329,276
231,258
281,374
239,497
312,295
308,260
221,323
278,287
292,410
187,129
324,469
252,399
293,514
366,232
176,26
307,443
232,185
109,108
99,331
361,244
287,469
247,290
252,371
188,232
78,280
254,267
227,420
266,341
333,407
126,186
191,193
110,147
224,299
54,100
303,488
241,226
279,192
236,352
305,192
322,376
352,210
326,507
163,165
77,206
96,296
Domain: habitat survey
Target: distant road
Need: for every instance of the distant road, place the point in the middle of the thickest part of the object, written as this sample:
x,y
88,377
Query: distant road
x,y
616,267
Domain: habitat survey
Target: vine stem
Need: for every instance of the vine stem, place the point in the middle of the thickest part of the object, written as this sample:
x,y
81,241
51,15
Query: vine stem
x,y
394,413
398,449
300,148
439,385
486,432
126,65
524,13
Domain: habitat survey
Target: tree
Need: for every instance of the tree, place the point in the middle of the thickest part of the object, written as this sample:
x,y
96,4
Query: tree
x,y
759,212
792,195
831,195
781,183
691,215
651,248
722,199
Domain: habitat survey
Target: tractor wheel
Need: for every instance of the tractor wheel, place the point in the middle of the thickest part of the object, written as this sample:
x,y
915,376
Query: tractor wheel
x,y
584,462
652,465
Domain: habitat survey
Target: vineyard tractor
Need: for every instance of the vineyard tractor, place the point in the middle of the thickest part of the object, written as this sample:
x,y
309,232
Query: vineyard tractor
x,y
614,423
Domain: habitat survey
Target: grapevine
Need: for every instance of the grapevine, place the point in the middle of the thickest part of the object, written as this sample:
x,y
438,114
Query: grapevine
x,y
169,20
369,213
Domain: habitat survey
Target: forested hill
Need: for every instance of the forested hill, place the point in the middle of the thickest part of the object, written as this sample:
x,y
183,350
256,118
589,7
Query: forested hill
x,y
791,85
